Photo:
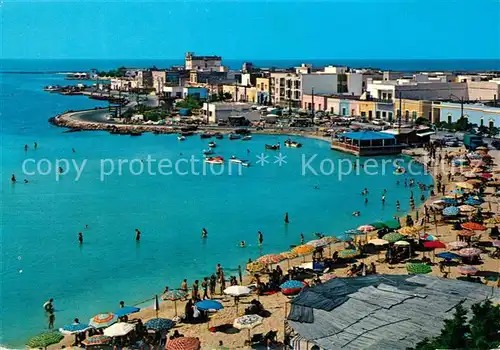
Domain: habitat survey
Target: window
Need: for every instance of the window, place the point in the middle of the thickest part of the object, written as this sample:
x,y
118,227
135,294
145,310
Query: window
x,y
491,123
414,115
384,115
343,111
389,96
377,114
390,117
319,106
309,105
363,114
449,118
370,115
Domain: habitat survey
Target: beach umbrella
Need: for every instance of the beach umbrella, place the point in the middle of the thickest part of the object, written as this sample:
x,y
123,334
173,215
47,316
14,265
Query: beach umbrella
x,y
255,266
292,284
103,320
270,259
392,224
449,201
458,191
415,268
474,182
236,291
466,233
119,329
366,228
393,237
126,310
451,211
486,175
467,208
378,225
474,226
159,324
206,305
184,343
402,243
457,245
467,270
330,239
288,255
247,322
471,201
303,249
493,221
410,230
468,252
378,241
349,253
448,255
74,328
327,276
174,295
316,243
470,174
434,244
45,339
427,237
496,243
96,340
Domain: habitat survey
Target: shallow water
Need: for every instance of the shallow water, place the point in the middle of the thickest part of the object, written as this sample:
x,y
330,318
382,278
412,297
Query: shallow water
x,y
41,257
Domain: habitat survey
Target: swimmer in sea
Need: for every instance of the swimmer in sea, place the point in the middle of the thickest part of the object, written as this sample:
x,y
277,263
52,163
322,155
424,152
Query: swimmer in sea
x,y
60,170
73,150
366,200
242,244
86,226
260,237
80,238
137,235
35,145
13,178
204,233
286,218
25,148
25,181
316,187
356,213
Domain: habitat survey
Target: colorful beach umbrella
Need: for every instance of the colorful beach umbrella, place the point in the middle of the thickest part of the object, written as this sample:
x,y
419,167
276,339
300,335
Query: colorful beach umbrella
x,y
255,266
467,270
96,340
467,208
474,226
427,237
330,239
378,241
451,211
236,291
292,284
74,328
159,324
393,237
103,320
206,305
449,201
392,224
474,182
174,295
448,256
366,228
327,276
349,253
45,339
288,255
410,230
496,243
414,268
184,343
316,243
303,249
247,322
402,243
434,244
457,245
493,221
126,310
119,329
270,259
466,233
469,252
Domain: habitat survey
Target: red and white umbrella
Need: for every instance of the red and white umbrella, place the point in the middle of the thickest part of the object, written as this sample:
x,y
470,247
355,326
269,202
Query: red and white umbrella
x,y
468,252
366,228
467,270
457,245
183,343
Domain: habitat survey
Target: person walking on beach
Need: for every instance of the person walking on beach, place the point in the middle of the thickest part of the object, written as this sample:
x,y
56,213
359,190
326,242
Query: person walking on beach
x,y
240,276
260,237
204,285
52,319
212,284
137,235
80,237
194,291
286,218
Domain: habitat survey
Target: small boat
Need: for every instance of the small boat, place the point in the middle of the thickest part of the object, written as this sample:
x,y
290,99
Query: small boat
x,y
181,138
234,136
246,164
215,160
399,171
206,135
219,136
212,145
236,160
293,144
247,138
135,133
273,147
208,151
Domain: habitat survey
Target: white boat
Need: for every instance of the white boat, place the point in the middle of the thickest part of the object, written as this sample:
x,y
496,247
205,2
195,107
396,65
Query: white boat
x,y
247,138
181,138
214,160
208,151
212,145
246,164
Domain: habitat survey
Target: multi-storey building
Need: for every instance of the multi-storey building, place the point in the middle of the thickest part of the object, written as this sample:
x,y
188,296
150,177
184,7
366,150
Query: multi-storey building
x,y
203,63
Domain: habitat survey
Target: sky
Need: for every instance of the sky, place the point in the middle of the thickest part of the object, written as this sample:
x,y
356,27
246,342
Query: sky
x,y
251,29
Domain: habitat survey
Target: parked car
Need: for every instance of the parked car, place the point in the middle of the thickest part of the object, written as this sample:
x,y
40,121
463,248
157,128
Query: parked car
x,y
378,122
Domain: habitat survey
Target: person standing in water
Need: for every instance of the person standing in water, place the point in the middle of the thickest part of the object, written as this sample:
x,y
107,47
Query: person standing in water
x,y
35,145
13,178
25,148
52,319
286,218
80,237
204,233
383,199
302,239
137,234
260,237
73,150
398,206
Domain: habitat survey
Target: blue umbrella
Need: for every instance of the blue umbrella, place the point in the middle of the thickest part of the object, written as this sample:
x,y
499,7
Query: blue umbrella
x,y
449,200
448,255
451,211
205,305
74,328
292,284
159,324
471,201
126,310
457,191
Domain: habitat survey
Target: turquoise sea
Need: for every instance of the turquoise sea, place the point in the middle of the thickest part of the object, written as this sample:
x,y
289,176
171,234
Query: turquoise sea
x,y
40,254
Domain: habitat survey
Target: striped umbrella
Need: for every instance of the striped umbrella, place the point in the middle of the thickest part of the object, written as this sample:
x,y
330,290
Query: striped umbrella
x,y
468,252
184,343
457,245
393,237
418,268
173,295
316,243
74,328
327,276
288,255
467,270
270,259
96,340
349,253
474,226
103,320
255,266
451,211
159,324
45,339
366,228
303,249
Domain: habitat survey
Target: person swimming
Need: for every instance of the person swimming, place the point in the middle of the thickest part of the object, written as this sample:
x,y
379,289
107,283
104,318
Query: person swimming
x,y
204,233
25,181
242,244
137,235
286,218
86,226
60,170
73,150
35,145
25,148
260,237
356,213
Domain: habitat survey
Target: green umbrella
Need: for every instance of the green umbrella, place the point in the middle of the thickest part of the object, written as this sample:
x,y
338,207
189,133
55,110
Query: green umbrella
x,y
394,224
378,225
349,253
393,237
418,268
45,339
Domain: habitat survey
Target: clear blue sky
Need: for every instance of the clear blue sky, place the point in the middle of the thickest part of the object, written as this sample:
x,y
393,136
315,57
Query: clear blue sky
x,y
245,29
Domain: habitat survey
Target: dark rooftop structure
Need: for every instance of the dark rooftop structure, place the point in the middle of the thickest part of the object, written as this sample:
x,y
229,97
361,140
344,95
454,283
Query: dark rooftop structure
x,y
380,311
366,143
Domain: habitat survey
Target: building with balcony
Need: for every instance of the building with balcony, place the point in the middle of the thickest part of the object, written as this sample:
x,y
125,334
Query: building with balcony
x,y
263,90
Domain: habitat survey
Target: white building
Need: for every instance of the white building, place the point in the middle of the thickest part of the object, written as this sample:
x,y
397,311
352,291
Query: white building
x,y
391,90
220,111
204,63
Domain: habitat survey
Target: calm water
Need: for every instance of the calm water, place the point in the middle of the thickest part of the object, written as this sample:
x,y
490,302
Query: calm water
x,y
41,257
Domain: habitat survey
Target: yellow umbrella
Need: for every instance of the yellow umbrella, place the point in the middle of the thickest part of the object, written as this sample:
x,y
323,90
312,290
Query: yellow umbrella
x,y
410,230
288,255
464,185
303,249
474,182
255,266
493,221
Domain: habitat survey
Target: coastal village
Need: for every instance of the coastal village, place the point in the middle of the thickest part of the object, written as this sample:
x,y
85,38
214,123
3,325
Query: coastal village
x,y
392,284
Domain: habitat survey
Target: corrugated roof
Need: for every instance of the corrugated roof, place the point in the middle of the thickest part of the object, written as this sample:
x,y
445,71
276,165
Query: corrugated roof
x,y
367,135
380,311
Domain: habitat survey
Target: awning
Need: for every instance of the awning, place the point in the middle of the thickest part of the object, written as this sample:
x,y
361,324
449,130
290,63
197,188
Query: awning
x,y
427,133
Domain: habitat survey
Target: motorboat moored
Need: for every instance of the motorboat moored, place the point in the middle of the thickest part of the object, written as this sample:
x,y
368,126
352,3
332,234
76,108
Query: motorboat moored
x,y
215,160
273,147
247,138
234,136
293,144
181,138
212,145
208,151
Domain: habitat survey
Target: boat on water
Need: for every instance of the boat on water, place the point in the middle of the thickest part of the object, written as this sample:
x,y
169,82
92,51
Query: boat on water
x,y
247,138
243,162
219,136
273,147
206,135
234,136
399,171
208,151
212,144
215,160
181,138
293,144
